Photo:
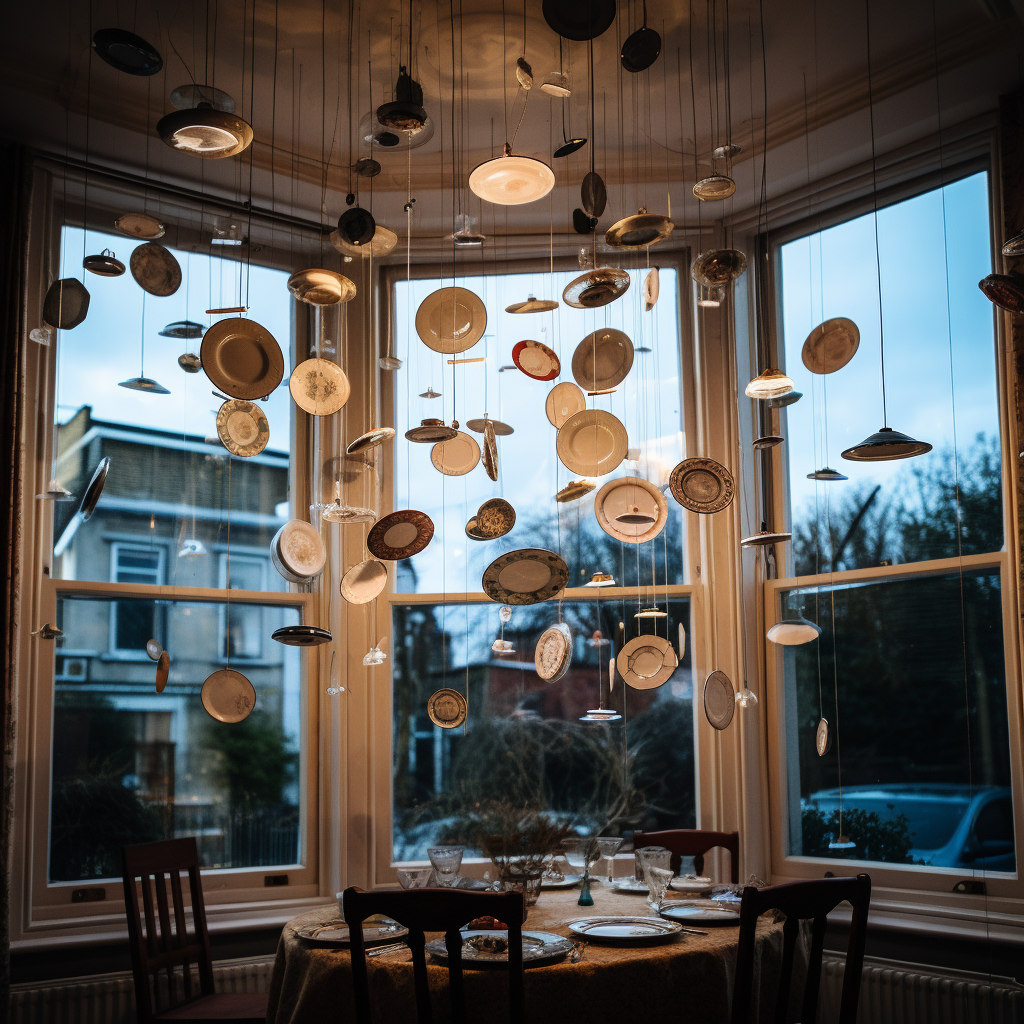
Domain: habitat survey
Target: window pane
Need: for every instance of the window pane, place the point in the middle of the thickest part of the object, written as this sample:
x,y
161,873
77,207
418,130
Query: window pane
x,y
907,510
171,482
131,765
647,402
912,682
523,743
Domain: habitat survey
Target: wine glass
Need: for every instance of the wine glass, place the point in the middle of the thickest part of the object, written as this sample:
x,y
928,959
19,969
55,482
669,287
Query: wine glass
x,y
414,878
446,861
609,846
580,854
657,882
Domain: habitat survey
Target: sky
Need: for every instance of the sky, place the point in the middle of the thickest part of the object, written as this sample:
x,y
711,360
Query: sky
x,y
940,371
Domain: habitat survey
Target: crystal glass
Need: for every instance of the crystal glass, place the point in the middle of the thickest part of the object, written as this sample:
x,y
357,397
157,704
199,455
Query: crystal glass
x,y
609,846
581,854
446,860
414,878
661,857
527,884
657,882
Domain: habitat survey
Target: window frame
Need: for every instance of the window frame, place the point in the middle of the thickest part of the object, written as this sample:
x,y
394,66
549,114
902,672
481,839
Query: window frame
x,y
116,547
908,896
223,558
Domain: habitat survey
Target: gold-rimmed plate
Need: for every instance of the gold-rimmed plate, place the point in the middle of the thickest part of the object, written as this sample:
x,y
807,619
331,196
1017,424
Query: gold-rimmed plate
x,y
319,386
400,535
447,708
639,231
242,358
451,320
228,696
456,456
525,576
553,653
494,519
602,359
592,443
242,428
139,225
646,662
702,485
636,499
574,490
564,400
831,345
430,431
536,360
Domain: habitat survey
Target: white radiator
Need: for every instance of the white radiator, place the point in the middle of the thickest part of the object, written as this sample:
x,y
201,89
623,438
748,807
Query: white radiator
x,y
897,993
110,998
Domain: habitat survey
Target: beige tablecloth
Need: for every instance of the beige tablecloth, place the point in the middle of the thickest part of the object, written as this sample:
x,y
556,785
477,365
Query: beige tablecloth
x,y
688,980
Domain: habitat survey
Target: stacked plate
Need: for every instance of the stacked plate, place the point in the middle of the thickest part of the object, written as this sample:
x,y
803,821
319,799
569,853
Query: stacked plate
x,y
297,552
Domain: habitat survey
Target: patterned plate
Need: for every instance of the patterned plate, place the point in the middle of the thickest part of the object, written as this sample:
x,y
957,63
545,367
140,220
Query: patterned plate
x,y
242,428
553,652
702,485
318,386
447,708
646,662
525,576
625,931
228,696
494,519
155,270
400,535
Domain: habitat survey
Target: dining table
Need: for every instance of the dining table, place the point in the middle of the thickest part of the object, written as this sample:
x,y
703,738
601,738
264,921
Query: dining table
x,y
687,979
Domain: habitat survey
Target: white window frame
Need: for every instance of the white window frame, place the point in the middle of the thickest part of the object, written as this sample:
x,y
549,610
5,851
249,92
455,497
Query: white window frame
x,y
116,547
263,561
906,897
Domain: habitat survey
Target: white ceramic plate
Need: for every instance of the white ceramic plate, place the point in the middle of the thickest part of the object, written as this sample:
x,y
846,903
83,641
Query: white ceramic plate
x,y
319,387
456,457
624,496
592,443
625,931
646,662
364,581
242,428
451,320
553,652
228,696
536,360
300,548
335,934
567,883
631,886
691,884
564,400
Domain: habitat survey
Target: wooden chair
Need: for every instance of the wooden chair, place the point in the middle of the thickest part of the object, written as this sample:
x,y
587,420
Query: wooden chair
x,y
435,910
163,948
799,901
695,843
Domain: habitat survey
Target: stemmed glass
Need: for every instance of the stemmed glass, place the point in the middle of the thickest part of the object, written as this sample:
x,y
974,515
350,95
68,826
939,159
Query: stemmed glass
x,y
657,874
446,861
609,846
580,854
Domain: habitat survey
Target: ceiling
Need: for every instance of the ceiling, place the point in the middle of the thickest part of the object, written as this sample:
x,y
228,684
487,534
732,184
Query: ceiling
x,y
321,68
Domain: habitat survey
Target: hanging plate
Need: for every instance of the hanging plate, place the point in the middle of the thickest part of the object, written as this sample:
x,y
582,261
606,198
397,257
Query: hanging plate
x,y
764,538
400,535
639,231
652,288
553,653
383,241
300,549
525,576
532,305
163,670
105,264
702,485
603,359
494,519
241,358
1005,290
357,226
139,225
596,288
447,708
646,662
718,267
301,636
430,431
564,400
593,194
490,451
640,50
573,491
92,493
364,581
155,270
719,699
154,649
456,456
451,320
499,428
126,52
579,21
831,345
370,439
318,386
536,360
66,303
228,696
592,443
318,287
188,329
242,428
626,495
822,738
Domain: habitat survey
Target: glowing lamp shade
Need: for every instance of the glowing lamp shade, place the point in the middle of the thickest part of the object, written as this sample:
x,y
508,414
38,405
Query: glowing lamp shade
x,y
205,132
792,632
769,384
886,445
512,180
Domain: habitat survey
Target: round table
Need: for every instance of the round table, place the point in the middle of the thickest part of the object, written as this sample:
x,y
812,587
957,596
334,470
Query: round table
x,y
688,979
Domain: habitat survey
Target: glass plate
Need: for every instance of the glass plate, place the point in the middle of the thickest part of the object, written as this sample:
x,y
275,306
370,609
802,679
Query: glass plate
x,y
539,948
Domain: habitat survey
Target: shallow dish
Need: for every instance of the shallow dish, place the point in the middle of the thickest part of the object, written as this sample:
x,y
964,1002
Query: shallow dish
x,y
242,358
701,912
646,662
631,496
457,456
364,581
553,652
625,931
602,359
300,549
592,443
155,270
564,400
596,288
139,225
242,428
301,636
698,886
568,882
228,696
633,886
539,948
370,439
319,387
451,320
536,360
702,485
494,519
525,576
335,934
447,708
719,700
400,535
831,345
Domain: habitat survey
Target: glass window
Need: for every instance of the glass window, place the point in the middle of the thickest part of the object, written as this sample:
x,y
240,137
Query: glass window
x,y
244,630
523,743
940,380
648,402
134,623
131,765
909,674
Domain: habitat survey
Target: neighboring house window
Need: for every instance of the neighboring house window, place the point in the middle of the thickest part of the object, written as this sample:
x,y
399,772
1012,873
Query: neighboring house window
x,y
244,623
135,622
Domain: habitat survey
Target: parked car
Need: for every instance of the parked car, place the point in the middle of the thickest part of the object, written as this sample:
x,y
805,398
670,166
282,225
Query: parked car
x,y
952,825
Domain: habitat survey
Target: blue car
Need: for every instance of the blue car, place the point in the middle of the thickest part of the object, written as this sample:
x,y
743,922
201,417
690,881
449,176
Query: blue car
x,y
951,825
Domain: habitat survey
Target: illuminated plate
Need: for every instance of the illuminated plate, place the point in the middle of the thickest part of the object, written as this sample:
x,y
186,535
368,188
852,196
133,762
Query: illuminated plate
x,y
383,241
451,320
625,931
718,267
646,662
719,699
623,496
639,231
702,485
575,489
456,456
299,547
319,287
494,519
318,386
564,400
242,359
370,439
831,345
553,652
364,581
602,359
447,708
400,535
430,431
525,576
536,360
591,443
242,428
228,696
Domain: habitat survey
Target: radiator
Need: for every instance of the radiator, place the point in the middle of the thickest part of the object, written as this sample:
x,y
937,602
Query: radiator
x,y
110,998
896,993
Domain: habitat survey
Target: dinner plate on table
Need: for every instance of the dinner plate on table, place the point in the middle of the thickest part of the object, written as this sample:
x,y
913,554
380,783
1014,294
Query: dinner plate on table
x,y
539,949
691,884
568,882
631,885
701,912
335,934
625,931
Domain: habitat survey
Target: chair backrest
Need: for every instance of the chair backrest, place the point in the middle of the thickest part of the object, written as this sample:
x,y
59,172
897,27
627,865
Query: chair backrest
x,y
435,910
695,843
161,947
814,899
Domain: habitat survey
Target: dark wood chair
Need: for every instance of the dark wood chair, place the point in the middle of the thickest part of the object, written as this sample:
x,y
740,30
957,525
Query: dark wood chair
x,y
163,949
695,843
435,910
799,901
